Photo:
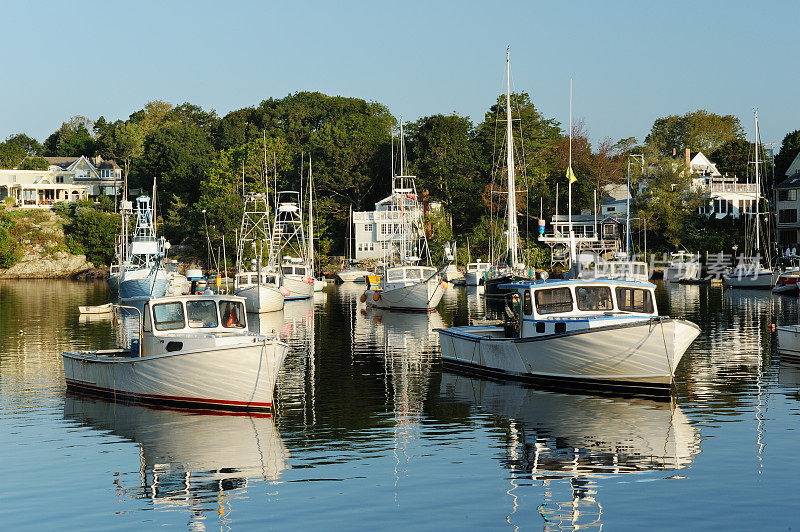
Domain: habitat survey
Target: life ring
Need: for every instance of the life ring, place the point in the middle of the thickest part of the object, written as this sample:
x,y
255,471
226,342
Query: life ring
x,y
363,298
376,296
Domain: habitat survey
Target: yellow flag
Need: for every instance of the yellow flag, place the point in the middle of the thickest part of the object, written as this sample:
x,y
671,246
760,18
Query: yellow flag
x,y
571,175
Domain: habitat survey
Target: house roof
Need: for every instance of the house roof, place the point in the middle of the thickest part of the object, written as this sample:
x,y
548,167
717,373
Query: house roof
x,y
795,166
61,161
789,182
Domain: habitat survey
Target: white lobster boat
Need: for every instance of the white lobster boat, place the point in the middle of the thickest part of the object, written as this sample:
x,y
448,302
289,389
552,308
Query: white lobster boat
x,y
476,272
191,351
604,335
260,296
407,288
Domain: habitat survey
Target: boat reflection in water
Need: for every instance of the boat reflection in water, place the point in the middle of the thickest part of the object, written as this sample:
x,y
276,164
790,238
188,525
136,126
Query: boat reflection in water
x,y
188,459
571,441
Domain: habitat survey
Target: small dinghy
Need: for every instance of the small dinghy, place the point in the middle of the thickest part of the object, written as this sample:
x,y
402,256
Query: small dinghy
x,y
97,309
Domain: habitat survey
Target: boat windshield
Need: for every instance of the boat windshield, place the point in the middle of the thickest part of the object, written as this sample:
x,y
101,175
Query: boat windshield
x,y
168,316
201,313
594,298
553,300
233,316
634,300
287,270
394,275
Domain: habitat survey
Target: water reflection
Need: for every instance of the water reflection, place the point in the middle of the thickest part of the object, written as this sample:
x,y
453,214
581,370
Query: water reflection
x,y
571,441
187,459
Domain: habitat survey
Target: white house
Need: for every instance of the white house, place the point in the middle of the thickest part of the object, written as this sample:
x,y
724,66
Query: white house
x,y
40,188
103,176
787,205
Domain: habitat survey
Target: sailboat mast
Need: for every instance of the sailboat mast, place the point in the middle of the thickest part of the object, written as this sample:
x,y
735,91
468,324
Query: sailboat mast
x,y
512,238
758,192
310,216
569,202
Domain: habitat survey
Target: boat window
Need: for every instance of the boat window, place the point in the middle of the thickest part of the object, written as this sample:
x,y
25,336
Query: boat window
x,y
168,316
413,273
394,275
233,315
634,300
527,303
146,324
594,298
553,300
300,270
201,313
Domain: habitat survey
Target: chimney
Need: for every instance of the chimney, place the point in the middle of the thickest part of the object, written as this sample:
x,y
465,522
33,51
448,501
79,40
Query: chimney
x,y
689,159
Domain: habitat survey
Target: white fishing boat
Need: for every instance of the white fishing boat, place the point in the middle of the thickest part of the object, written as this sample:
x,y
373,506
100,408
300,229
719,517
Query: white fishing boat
x,y
408,288
601,334
789,341
751,273
260,287
289,247
405,284
476,272
191,351
141,274
683,267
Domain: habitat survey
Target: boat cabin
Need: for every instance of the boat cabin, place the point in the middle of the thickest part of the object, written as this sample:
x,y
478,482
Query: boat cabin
x,y
478,267
168,320
548,307
405,275
300,270
251,279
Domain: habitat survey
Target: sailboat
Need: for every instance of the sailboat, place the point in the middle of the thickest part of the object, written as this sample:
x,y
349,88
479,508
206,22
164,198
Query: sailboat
x,y
406,284
512,270
260,287
321,283
753,274
351,273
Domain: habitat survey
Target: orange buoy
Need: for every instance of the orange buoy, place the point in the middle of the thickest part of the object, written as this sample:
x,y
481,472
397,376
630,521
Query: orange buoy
x,y
376,296
363,298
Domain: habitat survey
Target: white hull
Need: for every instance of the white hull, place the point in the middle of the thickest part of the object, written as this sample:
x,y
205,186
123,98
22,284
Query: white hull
x,y
635,353
299,287
682,272
422,296
451,274
352,275
143,282
764,279
239,373
261,298
474,278
319,284
789,340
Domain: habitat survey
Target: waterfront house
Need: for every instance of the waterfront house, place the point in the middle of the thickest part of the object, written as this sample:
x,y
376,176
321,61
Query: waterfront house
x,y
104,177
787,205
40,188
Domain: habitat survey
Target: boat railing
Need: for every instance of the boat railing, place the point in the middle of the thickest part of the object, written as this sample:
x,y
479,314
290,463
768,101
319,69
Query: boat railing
x,y
141,331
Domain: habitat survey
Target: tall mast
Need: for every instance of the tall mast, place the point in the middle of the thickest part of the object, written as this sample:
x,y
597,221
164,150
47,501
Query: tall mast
x,y
513,235
571,179
350,237
758,192
310,217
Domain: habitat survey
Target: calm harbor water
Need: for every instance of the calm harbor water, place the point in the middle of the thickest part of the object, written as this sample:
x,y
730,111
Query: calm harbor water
x,y
370,432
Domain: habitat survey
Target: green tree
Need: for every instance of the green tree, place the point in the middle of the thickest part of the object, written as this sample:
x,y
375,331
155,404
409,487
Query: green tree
x,y
124,142
698,130
34,163
95,234
790,147
72,139
443,149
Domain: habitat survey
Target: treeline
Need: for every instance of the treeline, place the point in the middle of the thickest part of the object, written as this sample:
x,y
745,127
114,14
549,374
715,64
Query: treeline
x,y
201,160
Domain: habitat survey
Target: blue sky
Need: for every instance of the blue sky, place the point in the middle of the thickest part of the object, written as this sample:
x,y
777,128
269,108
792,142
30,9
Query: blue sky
x,y
631,62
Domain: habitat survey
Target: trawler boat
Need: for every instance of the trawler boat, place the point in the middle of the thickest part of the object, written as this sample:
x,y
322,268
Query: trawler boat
x,y
683,267
192,350
141,274
290,247
261,292
260,288
602,334
476,271
407,288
